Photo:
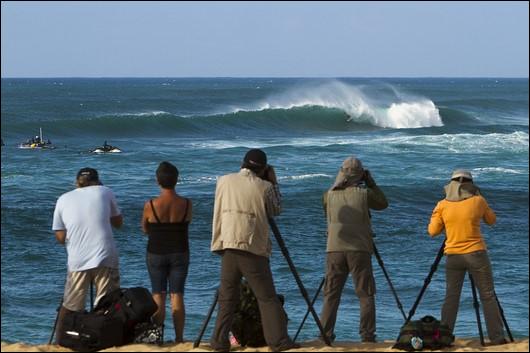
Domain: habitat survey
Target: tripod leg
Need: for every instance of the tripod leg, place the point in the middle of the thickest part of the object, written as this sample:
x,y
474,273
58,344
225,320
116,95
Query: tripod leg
x,y
427,281
477,309
380,261
55,323
307,313
206,320
91,295
504,318
285,253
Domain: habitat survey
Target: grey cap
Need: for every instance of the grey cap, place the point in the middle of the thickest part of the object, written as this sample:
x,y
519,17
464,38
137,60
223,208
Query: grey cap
x,y
461,173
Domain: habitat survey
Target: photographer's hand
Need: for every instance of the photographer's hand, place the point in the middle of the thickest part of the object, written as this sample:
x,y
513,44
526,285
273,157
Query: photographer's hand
x,y
370,182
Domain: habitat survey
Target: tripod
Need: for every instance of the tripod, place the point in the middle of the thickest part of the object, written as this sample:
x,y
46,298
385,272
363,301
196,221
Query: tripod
x,y
285,253
381,263
476,304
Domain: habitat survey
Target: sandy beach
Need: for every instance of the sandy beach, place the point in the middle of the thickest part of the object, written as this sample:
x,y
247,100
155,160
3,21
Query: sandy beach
x,y
461,345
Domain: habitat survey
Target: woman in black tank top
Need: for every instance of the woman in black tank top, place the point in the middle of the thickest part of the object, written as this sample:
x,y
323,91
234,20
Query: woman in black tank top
x,y
165,220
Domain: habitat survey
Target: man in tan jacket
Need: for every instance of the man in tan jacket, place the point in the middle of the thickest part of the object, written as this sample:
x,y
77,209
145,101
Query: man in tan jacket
x,y
243,203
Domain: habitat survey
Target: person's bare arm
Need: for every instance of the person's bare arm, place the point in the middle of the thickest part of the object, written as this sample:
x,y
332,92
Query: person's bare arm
x,y
116,221
145,217
60,235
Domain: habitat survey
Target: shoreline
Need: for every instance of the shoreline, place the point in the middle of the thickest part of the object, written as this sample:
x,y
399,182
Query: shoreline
x,y
460,345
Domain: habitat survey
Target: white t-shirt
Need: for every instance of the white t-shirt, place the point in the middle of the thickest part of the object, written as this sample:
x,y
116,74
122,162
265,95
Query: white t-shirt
x,y
85,215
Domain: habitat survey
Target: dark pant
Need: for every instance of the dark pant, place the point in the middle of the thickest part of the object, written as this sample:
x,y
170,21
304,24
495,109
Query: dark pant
x,y
478,264
236,264
339,266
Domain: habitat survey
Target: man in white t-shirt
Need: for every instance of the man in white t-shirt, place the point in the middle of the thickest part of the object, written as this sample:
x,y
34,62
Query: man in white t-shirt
x,y
83,221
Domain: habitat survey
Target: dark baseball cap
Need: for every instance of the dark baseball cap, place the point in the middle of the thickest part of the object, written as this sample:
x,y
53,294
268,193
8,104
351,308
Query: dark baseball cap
x,y
256,157
90,174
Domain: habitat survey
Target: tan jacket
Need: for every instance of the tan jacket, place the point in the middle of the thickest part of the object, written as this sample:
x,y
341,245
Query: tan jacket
x,y
348,217
240,219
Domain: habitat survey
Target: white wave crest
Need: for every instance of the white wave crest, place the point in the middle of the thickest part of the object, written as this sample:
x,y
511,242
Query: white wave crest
x,y
478,171
151,113
305,176
389,108
457,143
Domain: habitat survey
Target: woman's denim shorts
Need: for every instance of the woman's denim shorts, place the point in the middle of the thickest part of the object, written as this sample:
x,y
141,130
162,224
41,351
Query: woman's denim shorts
x,y
167,269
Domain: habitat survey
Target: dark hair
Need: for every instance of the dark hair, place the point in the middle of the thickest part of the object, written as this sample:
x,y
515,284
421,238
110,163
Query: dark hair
x,y
255,168
167,175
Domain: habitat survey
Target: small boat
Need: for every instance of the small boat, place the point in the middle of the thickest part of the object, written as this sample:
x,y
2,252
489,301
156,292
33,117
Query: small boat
x,y
37,142
106,148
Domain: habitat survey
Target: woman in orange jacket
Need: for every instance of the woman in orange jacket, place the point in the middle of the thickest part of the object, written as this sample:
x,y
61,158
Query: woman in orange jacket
x,y
460,214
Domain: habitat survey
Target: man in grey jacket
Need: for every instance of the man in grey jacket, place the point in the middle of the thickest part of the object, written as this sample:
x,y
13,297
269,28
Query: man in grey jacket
x,y
347,206
243,203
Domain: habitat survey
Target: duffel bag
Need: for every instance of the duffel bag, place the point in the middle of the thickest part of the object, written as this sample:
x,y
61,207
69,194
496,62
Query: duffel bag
x,y
90,331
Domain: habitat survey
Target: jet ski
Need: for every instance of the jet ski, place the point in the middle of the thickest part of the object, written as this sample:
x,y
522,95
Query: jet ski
x,y
106,148
37,142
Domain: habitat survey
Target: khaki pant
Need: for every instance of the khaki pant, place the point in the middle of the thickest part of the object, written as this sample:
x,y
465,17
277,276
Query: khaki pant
x,y
77,283
478,264
339,266
234,265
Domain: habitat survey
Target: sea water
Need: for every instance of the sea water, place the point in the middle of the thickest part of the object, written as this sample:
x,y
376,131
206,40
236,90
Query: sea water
x,y
410,133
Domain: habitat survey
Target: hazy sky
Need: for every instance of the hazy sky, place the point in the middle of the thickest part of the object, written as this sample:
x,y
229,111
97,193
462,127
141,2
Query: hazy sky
x,y
311,39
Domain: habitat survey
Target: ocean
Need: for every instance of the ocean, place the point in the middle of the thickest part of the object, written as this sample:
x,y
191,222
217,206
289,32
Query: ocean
x,y
411,133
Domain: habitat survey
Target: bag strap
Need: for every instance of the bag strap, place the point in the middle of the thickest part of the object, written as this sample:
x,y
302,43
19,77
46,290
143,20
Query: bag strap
x,y
154,212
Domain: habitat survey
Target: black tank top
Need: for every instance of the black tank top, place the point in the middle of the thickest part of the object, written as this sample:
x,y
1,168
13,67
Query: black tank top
x,y
168,238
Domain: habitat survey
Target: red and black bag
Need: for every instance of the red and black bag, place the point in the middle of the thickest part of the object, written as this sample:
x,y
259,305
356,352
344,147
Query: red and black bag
x,y
131,306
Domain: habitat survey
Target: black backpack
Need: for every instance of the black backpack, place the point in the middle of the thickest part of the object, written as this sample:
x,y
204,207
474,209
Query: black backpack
x,y
425,333
247,327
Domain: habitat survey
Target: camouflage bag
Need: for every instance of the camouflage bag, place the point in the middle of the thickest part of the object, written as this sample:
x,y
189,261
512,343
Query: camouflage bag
x,y
426,333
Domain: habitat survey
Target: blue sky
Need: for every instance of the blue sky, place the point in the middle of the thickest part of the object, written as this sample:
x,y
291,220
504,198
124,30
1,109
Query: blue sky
x,y
264,39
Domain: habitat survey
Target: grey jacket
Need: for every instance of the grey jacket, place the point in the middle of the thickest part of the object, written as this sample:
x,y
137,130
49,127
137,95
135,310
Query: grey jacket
x,y
348,217
243,204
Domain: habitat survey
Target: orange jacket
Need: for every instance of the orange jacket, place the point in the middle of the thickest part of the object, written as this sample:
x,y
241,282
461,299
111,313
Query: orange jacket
x,y
461,220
